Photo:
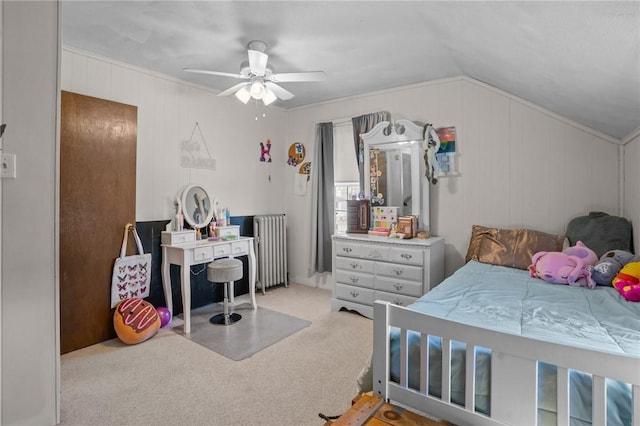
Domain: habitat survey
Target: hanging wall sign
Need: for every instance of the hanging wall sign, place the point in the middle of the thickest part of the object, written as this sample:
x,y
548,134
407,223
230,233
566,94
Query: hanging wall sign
x,y
194,153
297,153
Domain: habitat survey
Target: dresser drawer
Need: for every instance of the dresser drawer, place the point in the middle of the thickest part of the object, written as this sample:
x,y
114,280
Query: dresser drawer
x,y
396,299
406,255
355,294
354,278
354,264
347,249
201,254
240,248
221,250
395,285
375,252
398,270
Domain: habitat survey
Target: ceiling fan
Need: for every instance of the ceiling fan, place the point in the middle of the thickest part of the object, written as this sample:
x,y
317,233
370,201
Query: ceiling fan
x,y
261,80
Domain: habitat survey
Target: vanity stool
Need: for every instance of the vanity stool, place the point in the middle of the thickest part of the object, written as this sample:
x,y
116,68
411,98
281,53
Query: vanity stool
x,y
225,271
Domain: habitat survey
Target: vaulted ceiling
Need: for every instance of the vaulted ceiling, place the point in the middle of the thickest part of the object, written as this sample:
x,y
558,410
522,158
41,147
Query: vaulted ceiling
x,y
578,59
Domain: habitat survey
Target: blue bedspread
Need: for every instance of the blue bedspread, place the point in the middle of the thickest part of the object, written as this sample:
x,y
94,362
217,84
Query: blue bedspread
x,y
509,300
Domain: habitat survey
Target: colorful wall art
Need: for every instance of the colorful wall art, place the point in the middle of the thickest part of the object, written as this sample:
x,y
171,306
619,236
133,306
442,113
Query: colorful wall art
x,y
446,155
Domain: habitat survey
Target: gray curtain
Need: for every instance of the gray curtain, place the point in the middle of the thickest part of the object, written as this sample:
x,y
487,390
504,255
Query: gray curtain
x,y
322,199
361,125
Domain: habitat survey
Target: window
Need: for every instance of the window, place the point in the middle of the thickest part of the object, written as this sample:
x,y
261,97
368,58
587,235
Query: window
x,y
346,179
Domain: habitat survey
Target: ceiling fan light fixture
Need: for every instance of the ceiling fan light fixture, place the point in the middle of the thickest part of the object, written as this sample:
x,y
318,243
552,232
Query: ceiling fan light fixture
x,y
243,94
269,97
257,89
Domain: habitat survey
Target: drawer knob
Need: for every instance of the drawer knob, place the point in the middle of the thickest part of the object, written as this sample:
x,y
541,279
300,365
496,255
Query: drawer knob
x,y
354,279
355,265
406,256
398,271
398,287
346,250
355,294
397,302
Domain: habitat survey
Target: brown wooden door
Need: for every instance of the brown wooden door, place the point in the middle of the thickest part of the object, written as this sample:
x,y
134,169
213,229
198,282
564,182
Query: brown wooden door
x,y
97,199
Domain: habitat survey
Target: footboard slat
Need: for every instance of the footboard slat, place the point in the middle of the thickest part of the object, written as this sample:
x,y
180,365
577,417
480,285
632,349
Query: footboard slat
x,y
599,401
446,370
563,396
513,380
470,381
424,363
636,404
404,359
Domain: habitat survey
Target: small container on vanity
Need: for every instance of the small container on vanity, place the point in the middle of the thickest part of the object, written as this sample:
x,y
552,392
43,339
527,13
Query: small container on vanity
x,y
178,237
227,233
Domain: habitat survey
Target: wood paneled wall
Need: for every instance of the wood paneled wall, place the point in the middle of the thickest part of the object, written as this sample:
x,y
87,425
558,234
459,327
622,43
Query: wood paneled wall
x,y
520,166
631,156
168,111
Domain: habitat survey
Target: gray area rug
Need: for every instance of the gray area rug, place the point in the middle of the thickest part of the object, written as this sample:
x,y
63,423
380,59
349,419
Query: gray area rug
x,y
257,330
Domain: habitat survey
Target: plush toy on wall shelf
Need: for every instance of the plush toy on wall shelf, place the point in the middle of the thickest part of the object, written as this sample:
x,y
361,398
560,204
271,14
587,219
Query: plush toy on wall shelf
x,y
571,266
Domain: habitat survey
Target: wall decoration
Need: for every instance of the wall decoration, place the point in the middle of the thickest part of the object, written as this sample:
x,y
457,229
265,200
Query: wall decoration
x,y
297,153
305,168
193,156
377,177
446,155
265,151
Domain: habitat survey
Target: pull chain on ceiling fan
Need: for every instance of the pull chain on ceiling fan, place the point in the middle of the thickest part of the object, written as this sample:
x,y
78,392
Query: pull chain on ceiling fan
x,y
261,84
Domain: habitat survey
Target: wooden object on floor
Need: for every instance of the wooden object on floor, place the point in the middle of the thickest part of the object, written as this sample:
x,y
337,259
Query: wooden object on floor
x,y
371,410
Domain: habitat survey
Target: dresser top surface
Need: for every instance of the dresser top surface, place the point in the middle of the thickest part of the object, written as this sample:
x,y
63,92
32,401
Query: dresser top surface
x,y
387,240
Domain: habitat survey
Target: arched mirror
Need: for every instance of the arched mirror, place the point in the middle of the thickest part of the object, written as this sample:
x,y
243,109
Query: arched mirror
x,y
392,161
197,206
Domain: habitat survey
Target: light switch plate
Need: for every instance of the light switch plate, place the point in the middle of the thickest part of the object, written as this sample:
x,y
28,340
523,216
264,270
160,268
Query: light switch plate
x,y
8,166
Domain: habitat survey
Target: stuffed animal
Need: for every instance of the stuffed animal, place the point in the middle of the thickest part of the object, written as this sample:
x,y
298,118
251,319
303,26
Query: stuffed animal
x,y
588,256
609,265
560,268
627,282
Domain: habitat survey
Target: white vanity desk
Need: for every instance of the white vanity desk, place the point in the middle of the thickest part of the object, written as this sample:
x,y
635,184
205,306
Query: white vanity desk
x,y
199,252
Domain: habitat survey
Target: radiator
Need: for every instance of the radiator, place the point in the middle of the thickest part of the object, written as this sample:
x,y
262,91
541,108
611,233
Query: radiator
x,y
270,233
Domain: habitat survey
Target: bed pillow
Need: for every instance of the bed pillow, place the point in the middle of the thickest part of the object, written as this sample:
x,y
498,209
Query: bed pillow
x,y
510,247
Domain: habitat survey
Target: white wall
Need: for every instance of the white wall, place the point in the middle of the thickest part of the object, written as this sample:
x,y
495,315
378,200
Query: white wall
x,y
521,166
168,110
30,360
631,156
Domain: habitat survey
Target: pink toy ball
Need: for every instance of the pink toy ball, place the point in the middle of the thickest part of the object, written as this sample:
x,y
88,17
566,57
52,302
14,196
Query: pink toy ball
x,y
165,315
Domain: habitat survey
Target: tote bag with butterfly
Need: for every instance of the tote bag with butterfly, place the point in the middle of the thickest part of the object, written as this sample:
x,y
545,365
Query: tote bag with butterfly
x,y
131,274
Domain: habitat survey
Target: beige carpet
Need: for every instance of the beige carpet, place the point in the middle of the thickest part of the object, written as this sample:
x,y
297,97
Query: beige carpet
x,y
258,329
171,380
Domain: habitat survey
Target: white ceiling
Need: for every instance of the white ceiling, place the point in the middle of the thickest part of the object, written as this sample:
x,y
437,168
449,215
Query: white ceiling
x,y
577,59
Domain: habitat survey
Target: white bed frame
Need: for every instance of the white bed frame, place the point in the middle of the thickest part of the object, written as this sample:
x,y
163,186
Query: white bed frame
x,y
513,371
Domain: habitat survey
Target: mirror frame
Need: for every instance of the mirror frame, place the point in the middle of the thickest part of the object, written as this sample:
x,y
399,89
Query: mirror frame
x,y
387,132
187,200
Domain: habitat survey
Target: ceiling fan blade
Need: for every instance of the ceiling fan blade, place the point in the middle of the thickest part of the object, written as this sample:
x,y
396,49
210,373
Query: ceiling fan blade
x,y
257,62
233,89
298,76
223,74
280,92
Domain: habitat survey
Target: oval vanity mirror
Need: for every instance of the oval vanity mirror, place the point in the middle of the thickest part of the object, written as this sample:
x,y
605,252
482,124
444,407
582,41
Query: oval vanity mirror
x,y
197,206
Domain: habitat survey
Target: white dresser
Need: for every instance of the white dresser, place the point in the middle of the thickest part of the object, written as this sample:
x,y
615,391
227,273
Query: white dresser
x,y
368,268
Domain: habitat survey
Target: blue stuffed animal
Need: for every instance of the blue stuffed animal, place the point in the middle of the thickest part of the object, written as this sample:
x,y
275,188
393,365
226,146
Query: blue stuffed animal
x,y
609,265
